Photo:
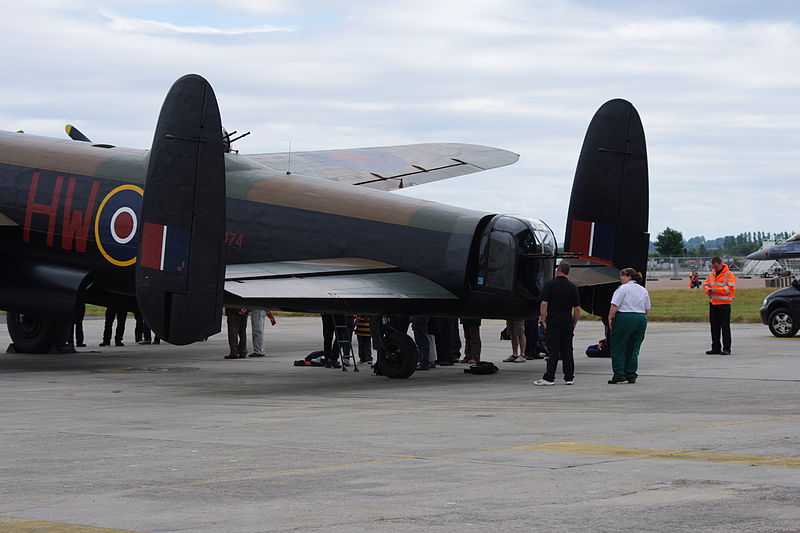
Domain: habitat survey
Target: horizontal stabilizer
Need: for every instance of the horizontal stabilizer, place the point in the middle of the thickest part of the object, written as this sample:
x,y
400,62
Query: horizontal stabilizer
x,y
588,273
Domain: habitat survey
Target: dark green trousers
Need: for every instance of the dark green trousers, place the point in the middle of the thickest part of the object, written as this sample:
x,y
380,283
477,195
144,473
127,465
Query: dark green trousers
x,y
626,338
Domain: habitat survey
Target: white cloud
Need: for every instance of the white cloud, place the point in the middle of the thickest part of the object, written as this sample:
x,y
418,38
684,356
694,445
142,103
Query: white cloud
x,y
716,92
153,27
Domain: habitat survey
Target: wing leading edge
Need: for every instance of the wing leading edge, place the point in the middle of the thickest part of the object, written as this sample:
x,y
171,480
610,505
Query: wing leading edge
x,y
389,167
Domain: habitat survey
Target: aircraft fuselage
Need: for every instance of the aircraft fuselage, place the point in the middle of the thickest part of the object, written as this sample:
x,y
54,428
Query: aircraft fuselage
x,y
75,204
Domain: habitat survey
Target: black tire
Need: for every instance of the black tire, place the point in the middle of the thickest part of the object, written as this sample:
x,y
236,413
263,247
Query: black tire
x,y
31,333
782,324
398,358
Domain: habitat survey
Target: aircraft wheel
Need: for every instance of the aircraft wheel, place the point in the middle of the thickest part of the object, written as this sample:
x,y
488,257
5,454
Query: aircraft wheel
x,y
31,333
782,324
398,358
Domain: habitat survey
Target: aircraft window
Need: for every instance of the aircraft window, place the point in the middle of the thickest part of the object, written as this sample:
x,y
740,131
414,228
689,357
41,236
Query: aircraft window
x,y
548,242
544,235
509,224
529,242
502,259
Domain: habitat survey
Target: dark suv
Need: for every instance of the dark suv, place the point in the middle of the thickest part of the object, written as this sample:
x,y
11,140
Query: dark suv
x,y
781,310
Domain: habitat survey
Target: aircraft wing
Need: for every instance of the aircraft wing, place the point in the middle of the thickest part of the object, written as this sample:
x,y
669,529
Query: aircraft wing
x,y
389,167
330,285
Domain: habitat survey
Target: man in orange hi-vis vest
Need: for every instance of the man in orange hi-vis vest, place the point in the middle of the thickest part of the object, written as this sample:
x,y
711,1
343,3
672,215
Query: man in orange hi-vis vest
x,y
720,286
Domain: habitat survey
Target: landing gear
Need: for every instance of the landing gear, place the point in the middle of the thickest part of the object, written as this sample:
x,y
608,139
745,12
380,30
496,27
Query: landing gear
x,y
34,334
397,357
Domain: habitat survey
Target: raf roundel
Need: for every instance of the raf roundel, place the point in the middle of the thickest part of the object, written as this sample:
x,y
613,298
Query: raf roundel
x,y
116,224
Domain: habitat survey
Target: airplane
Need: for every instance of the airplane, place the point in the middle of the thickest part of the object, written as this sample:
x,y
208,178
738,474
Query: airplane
x,y
788,249
191,225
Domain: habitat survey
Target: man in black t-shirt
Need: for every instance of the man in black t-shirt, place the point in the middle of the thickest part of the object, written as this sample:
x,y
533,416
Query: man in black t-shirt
x,y
559,313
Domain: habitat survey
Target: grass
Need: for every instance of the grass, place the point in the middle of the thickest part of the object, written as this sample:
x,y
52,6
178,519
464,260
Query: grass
x,y
684,305
669,305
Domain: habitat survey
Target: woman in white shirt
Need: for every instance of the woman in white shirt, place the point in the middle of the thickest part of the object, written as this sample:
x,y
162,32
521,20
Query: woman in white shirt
x,y
628,322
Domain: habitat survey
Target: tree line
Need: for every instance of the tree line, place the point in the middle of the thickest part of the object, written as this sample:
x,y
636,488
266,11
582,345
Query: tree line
x,y
670,243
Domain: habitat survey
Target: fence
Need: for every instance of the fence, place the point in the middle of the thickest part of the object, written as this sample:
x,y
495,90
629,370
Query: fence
x,y
682,266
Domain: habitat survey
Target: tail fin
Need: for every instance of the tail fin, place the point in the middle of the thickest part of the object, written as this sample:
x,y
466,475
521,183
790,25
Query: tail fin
x,y
180,270
608,211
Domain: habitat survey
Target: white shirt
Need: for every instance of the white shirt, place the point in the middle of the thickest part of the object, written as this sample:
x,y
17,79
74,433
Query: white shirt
x,y
631,298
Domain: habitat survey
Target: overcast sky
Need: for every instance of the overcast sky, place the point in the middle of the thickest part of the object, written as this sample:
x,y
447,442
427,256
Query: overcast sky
x,y
717,84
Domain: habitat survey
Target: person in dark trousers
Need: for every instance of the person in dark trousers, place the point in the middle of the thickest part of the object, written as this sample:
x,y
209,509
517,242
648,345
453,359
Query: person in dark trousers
x,y
532,339
333,341
142,331
600,349
328,335
77,328
237,332
447,339
419,326
559,313
720,286
114,313
364,337
472,340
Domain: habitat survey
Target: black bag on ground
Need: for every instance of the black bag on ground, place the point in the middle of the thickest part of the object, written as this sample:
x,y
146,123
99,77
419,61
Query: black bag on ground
x,y
482,367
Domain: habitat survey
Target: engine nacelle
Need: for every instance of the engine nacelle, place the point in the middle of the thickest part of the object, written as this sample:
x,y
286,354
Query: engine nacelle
x,y
43,289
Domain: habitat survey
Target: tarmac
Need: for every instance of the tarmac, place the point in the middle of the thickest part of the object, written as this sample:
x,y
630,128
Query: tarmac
x,y
175,438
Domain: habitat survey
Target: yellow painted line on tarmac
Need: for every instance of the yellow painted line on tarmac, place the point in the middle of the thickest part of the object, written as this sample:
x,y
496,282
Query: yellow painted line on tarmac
x,y
655,453
9,524
707,426
792,461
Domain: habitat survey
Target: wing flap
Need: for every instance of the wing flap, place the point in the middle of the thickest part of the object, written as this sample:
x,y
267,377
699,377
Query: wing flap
x,y
306,268
375,285
334,285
